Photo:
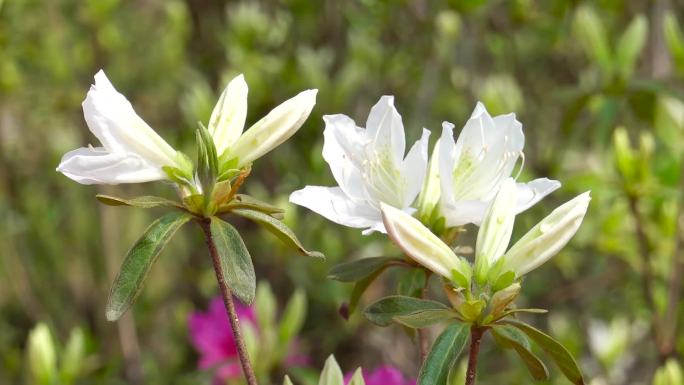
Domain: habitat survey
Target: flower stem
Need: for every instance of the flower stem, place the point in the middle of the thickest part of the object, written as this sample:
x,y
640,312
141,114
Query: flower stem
x,y
229,304
476,333
423,334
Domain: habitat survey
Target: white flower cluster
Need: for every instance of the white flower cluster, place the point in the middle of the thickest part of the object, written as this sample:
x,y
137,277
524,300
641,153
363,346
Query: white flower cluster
x,y
467,180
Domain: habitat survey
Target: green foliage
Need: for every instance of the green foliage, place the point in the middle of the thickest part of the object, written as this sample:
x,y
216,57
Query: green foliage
x,y
557,352
407,310
237,269
442,356
138,263
173,58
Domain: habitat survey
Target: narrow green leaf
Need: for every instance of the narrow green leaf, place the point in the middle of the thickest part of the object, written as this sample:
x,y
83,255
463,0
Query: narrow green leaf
x,y
445,350
331,374
382,312
412,282
243,201
361,286
523,310
508,337
630,45
144,202
558,353
674,39
360,268
293,317
279,229
236,263
138,262
424,318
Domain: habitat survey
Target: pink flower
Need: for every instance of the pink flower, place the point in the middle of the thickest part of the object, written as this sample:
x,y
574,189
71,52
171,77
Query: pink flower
x,y
211,335
383,375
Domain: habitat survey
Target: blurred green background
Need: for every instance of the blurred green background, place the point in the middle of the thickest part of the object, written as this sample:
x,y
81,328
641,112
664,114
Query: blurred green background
x,y
573,72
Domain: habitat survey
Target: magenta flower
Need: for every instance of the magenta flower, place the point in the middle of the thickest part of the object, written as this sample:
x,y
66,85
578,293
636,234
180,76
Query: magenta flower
x,y
212,337
383,375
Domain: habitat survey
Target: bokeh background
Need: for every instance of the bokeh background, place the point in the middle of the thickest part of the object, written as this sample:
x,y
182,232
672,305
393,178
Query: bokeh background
x,y
575,72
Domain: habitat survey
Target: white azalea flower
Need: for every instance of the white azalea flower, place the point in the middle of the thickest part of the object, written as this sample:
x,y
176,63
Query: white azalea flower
x,y
369,167
228,121
472,168
131,151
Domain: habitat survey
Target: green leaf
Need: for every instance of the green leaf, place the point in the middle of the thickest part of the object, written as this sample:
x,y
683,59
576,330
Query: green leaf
x,y
558,353
242,201
523,310
674,39
511,338
360,268
279,229
382,312
424,318
630,45
412,282
591,34
443,354
293,317
236,263
144,202
138,262
361,286
331,374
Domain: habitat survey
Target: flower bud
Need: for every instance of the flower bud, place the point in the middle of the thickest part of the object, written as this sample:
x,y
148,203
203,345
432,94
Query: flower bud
x,y
545,239
42,358
495,231
275,128
502,298
472,309
207,160
430,193
422,245
669,374
625,158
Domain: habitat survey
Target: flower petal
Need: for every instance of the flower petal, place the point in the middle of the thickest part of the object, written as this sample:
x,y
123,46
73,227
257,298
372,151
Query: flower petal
x,y
385,128
333,204
545,239
430,193
113,121
228,117
275,128
421,244
496,229
415,168
89,165
532,192
343,150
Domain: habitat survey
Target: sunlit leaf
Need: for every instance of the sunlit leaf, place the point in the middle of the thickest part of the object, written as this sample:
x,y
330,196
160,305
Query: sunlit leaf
x,y
279,229
145,202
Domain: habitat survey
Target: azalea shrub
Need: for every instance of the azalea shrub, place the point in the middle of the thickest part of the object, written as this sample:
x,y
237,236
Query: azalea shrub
x,y
341,193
